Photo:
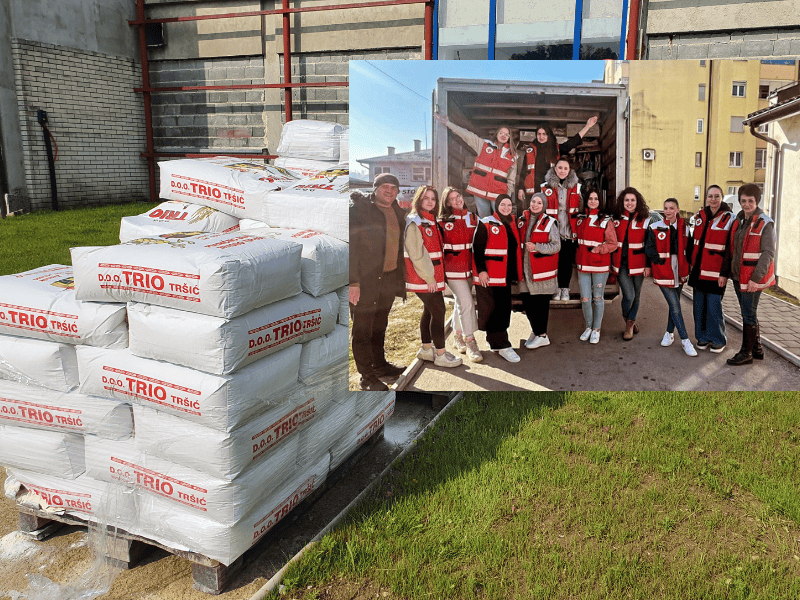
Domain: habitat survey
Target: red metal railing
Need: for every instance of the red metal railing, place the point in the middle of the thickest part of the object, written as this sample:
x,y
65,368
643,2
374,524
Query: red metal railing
x,y
141,21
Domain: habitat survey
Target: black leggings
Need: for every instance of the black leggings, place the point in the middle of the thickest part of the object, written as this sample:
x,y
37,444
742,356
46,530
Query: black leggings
x,y
431,324
566,258
537,309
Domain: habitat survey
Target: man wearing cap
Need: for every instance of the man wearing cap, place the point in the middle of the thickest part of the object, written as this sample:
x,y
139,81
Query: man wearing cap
x,y
376,276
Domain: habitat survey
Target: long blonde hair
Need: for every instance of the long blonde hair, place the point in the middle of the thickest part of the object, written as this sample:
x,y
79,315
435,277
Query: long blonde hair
x,y
512,136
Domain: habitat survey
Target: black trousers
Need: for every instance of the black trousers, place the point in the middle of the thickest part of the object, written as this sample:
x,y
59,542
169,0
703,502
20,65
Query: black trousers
x,y
369,327
431,324
566,258
494,314
537,309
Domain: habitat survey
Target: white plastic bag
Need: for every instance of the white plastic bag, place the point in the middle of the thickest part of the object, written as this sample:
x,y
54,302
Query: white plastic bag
x,y
365,428
80,497
172,217
325,354
314,140
303,167
38,362
54,453
344,306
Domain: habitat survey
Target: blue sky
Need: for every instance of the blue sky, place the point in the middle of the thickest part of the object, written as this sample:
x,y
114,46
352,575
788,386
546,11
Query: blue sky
x,y
390,100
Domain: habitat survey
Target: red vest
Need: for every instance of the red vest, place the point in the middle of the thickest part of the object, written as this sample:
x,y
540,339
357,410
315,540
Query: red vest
x,y
496,253
716,245
591,232
751,252
457,233
573,204
662,274
543,266
637,232
432,241
489,176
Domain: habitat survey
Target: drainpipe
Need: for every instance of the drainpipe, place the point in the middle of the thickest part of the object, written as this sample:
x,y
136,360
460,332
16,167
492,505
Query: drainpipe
x,y
576,37
624,25
492,27
435,48
633,29
776,208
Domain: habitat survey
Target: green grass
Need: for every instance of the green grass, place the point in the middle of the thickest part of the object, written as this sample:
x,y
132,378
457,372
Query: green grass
x,y
45,237
584,495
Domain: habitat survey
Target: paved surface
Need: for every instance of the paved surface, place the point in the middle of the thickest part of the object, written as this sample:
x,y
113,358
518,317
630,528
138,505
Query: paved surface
x,y
615,364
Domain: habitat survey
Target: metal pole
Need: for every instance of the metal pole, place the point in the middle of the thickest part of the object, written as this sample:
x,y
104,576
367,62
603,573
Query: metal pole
x,y
624,26
633,30
492,28
287,61
576,38
148,106
429,26
435,49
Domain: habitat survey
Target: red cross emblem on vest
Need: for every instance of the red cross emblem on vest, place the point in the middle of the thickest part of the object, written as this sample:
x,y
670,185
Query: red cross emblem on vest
x,y
495,229
489,149
429,231
548,192
698,222
448,226
662,235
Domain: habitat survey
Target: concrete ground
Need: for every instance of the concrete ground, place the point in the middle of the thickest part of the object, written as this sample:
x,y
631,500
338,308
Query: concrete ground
x,y
614,364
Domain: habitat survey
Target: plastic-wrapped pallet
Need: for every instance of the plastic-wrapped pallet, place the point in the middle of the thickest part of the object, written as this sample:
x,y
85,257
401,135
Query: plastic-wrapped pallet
x,y
344,146
231,185
182,528
344,306
38,362
176,217
55,453
314,140
320,203
219,274
362,430
302,167
222,346
325,260
331,425
218,499
41,304
39,408
322,354
219,402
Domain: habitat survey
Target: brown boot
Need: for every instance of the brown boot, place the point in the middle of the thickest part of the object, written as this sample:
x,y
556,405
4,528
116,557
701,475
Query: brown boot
x,y
745,355
758,350
629,325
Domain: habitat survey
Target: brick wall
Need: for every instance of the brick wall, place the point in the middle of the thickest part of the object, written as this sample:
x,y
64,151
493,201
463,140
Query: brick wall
x,y
95,116
750,44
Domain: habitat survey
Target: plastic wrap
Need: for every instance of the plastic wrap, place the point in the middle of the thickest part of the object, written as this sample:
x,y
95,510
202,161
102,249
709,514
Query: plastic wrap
x,y
38,408
368,402
303,167
173,217
325,260
38,362
48,452
314,140
182,528
219,402
218,274
234,186
333,424
325,353
344,306
41,304
222,346
344,146
218,499
363,429
320,203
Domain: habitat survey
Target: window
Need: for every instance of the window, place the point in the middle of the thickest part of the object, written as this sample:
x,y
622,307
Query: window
x,y
379,170
761,158
701,92
420,174
699,125
738,88
762,128
763,91
736,125
733,190
698,159
735,159
702,63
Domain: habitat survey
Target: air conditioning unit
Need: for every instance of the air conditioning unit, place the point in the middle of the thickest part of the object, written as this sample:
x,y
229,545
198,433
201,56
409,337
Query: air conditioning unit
x,y
648,154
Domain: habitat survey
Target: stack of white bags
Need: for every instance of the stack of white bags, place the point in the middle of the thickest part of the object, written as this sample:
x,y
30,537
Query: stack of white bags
x,y
308,147
232,365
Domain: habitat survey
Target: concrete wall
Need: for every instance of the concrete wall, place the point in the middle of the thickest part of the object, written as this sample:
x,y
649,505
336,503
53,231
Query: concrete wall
x,y
744,44
10,134
684,16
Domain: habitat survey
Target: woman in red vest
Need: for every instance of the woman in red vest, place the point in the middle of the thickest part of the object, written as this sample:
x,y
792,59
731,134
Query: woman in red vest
x,y
710,270
540,246
630,262
425,275
597,239
457,226
495,168
751,252
497,263
669,247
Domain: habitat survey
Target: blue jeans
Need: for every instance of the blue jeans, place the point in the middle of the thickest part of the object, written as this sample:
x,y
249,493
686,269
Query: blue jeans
x,y
709,322
673,298
631,286
748,302
592,286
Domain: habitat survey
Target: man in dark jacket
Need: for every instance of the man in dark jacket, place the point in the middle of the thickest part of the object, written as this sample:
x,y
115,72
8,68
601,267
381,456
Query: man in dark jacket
x,y
376,276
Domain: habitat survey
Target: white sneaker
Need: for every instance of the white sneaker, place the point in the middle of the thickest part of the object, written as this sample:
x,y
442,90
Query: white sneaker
x,y
538,342
458,342
667,339
594,338
688,348
585,335
509,355
426,354
446,360
564,294
530,340
557,294
473,353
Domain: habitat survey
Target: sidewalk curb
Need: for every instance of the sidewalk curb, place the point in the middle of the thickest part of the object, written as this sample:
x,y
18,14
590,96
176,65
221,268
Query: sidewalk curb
x,y
777,348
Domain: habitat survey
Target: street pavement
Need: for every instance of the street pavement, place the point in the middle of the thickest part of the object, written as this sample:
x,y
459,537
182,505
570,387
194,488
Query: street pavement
x,y
640,364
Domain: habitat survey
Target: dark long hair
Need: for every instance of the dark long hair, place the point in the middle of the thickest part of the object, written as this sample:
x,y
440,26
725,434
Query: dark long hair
x,y
418,199
642,210
585,193
550,147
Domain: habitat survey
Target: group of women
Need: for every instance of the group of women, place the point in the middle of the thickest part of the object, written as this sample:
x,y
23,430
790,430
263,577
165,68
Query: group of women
x,y
565,226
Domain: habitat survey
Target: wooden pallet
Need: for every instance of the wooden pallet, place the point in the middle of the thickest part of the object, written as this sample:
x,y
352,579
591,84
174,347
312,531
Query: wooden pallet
x,y
124,550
